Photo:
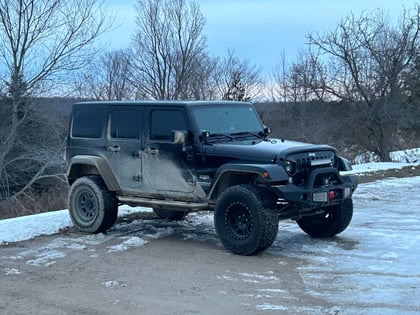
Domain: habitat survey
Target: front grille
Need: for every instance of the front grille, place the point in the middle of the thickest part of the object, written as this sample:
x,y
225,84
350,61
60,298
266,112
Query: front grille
x,y
303,165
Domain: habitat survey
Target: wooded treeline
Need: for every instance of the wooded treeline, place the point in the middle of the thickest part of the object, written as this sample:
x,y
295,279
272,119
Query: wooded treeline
x,y
356,87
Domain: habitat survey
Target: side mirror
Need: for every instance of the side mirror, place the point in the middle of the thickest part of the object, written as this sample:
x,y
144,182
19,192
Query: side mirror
x,y
267,130
204,136
179,137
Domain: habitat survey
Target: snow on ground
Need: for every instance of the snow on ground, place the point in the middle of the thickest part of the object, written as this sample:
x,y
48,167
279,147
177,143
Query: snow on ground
x,y
370,268
368,162
48,223
378,166
376,257
403,156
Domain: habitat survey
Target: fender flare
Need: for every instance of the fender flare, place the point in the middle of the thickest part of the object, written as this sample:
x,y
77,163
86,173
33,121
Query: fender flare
x,y
270,173
96,162
344,164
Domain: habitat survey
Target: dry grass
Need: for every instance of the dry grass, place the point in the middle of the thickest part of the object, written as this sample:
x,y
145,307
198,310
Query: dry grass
x,y
35,202
408,171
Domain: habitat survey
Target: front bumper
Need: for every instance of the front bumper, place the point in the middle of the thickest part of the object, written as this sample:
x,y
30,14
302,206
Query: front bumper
x,y
309,196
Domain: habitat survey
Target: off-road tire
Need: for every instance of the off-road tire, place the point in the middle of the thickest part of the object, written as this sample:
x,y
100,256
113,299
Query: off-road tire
x,y
244,220
333,221
170,214
93,208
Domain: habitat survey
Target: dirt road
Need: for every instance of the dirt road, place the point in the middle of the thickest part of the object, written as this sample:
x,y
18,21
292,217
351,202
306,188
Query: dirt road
x,y
145,265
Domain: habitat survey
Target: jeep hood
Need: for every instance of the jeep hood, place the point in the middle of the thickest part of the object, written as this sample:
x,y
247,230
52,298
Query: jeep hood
x,y
267,151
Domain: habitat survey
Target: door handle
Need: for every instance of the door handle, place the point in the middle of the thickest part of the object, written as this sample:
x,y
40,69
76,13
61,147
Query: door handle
x,y
114,149
152,151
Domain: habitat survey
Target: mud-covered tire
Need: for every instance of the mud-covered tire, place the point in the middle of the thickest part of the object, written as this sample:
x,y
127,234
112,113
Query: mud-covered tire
x,y
333,221
93,208
244,220
170,214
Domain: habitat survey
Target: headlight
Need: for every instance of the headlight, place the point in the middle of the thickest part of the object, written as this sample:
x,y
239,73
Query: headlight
x,y
289,166
333,160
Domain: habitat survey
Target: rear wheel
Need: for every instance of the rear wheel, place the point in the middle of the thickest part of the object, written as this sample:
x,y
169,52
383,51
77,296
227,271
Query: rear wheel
x,y
93,208
170,214
333,221
244,221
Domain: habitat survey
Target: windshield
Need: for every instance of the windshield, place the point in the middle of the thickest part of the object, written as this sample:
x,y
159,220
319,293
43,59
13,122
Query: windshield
x,y
225,119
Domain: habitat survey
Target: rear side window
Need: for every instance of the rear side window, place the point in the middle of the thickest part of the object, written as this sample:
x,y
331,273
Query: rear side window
x,y
164,121
87,123
125,123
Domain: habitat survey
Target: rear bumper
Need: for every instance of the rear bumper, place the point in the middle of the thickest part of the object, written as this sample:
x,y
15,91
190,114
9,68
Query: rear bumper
x,y
317,197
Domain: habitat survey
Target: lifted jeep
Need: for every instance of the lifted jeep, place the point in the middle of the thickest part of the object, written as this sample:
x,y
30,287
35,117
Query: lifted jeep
x,y
178,157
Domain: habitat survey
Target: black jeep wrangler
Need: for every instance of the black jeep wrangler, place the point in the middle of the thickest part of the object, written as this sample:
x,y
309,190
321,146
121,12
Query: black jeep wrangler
x,y
178,157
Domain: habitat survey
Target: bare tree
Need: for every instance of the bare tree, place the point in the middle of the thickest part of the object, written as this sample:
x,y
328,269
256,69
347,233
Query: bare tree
x,y
412,81
117,65
169,49
368,56
300,81
236,80
40,40
299,78
410,121
106,79
279,79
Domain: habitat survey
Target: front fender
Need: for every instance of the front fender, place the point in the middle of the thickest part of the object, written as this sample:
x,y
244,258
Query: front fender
x,y
344,164
271,173
276,173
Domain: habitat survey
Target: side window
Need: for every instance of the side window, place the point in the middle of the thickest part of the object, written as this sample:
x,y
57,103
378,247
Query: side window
x,y
125,123
87,123
164,121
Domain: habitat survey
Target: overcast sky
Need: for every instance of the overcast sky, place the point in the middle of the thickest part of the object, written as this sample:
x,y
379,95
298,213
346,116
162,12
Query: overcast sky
x,y
259,30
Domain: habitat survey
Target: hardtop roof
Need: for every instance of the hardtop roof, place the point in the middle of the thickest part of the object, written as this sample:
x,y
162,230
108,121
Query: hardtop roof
x,y
161,103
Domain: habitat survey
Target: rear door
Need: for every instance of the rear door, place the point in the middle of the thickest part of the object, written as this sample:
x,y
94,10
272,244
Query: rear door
x,y
123,145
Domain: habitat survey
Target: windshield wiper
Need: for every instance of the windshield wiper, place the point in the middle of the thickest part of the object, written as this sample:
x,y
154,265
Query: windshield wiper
x,y
214,137
247,134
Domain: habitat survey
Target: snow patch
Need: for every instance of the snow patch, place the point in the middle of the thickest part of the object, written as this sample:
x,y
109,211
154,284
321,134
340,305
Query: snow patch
x,y
271,307
128,243
47,223
27,227
47,255
376,166
113,283
76,246
11,271
260,277
160,232
46,258
273,290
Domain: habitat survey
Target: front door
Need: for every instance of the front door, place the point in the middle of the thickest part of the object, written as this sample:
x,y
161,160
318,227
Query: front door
x,y
167,167
124,144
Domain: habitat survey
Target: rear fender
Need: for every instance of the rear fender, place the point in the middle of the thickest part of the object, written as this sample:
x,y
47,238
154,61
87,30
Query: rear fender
x,y
81,165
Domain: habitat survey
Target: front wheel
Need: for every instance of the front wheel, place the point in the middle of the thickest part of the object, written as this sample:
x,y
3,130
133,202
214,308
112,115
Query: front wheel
x,y
244,221
93,208
332,221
